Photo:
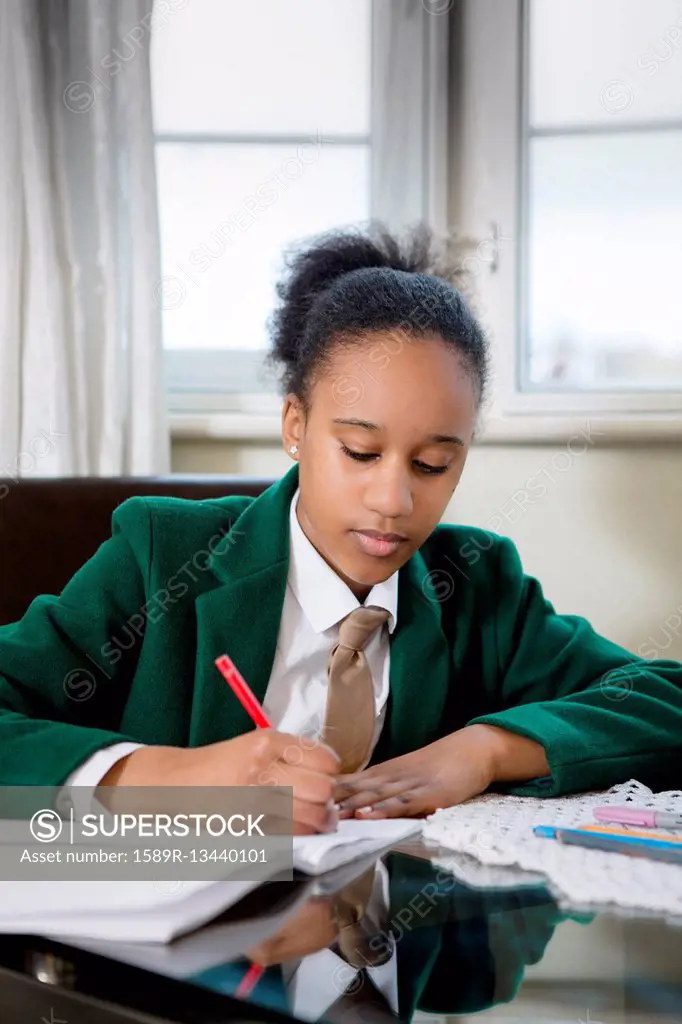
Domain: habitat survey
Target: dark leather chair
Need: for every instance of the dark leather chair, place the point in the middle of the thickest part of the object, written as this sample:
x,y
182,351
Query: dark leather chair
x,y
50,527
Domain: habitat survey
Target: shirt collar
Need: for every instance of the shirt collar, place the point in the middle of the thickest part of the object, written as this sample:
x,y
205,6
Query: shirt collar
x,y
323,596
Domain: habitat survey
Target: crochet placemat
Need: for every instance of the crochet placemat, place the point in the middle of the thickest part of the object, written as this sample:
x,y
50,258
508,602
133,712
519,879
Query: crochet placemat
x,y
494,842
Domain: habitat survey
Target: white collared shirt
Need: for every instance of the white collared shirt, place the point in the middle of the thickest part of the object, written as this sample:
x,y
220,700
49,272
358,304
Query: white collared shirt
x,y
315,601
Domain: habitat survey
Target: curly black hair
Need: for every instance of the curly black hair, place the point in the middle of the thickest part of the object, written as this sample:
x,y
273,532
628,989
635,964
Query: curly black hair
x,y
347,283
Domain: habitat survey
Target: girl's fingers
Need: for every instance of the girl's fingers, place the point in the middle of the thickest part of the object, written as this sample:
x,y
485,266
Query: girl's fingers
x,y
385,770
373,794
403,806
308,785
346,785
342,797
311,818
366,796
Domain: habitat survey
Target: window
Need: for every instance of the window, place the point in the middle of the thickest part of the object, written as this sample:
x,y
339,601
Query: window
x,y
572,114
275,121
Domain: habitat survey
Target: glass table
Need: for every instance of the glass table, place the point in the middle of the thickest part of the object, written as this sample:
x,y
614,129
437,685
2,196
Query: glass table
x,y
432,947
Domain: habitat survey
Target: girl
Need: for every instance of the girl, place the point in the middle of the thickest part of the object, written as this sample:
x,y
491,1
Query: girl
x,y
429,665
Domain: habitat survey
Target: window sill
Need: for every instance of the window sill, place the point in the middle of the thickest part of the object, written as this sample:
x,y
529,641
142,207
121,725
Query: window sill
x,y
596,429
226,426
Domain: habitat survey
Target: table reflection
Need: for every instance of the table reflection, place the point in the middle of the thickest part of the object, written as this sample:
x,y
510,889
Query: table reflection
x,y
434,945
374,942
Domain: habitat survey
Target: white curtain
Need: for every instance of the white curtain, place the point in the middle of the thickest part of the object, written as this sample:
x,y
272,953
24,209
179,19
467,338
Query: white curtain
x,y
81,368
410,167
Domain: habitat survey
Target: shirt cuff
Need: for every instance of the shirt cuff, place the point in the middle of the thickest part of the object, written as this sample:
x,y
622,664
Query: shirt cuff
x,y
78,790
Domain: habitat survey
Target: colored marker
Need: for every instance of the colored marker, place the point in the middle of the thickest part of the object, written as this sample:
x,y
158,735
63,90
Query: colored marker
x,y
615,841
638,816
614,830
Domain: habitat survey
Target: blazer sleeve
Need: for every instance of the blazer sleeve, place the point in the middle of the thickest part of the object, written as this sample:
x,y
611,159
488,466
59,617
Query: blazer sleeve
x,y
61,696
603,715
492,945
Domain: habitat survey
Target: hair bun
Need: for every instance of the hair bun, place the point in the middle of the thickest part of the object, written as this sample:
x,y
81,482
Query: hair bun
x,y
321,291
311,267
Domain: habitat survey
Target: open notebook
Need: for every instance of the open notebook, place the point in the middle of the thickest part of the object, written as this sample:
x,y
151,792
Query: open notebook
x,y
229,936
351,840
144,911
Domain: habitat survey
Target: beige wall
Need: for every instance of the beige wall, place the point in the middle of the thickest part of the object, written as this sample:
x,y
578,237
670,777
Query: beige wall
x,y
605,536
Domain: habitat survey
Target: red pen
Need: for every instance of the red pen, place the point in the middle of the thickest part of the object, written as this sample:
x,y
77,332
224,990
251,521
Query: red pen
x,y
242,691
250,703
249,981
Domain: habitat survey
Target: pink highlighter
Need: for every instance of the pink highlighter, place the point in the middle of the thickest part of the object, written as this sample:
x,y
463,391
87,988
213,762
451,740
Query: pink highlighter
x,y
638,816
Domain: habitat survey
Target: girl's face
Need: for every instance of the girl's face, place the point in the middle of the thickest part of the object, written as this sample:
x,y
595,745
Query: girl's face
x,y
381,451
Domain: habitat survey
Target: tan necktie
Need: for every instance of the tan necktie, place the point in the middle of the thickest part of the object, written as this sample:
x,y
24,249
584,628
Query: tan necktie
x,y
355,931
357,944
349,719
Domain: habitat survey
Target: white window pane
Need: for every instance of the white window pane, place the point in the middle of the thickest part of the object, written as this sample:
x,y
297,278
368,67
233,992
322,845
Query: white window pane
x,y
604,61
605,251
227,212
269,66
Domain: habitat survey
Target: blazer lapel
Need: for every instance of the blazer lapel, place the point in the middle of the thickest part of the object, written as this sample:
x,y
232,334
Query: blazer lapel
x,y
241,615
420,665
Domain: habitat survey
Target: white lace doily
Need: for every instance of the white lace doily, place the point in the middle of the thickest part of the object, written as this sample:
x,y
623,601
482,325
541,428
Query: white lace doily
x,y
495,836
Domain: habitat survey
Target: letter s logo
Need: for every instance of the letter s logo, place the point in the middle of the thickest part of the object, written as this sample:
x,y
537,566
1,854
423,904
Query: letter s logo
x,y
46,826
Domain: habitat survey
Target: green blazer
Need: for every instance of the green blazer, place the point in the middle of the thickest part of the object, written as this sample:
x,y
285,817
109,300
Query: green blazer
x,y
127,651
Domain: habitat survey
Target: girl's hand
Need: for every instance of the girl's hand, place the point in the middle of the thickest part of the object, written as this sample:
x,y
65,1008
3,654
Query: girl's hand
x,y
449,771
263,757
312,928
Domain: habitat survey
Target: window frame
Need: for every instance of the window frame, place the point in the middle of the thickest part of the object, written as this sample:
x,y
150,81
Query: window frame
x,y
490,48
407,184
